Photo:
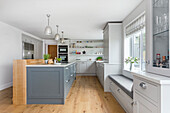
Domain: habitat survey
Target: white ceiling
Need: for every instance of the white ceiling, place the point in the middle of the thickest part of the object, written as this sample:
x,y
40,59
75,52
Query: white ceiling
x,y
78,18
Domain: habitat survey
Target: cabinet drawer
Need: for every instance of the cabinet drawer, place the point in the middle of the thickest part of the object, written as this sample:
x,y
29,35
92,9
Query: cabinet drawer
x,y
122,97
147,89
143,106
113,87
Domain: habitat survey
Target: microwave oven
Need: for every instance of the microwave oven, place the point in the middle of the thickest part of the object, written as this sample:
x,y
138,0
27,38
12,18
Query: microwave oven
x,y
63,49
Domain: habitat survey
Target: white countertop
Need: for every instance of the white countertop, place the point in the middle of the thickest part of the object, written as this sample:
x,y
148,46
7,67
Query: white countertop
x,y
51,65
159,79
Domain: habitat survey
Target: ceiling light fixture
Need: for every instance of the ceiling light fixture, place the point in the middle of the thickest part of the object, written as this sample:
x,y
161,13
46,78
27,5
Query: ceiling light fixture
x,y
57,36
62,39
48,29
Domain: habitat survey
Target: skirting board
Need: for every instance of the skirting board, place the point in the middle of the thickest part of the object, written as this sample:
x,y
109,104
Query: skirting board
x,y
83,74
7,85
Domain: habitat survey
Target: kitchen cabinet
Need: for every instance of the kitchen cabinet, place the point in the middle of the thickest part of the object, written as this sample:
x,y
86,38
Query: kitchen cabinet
x,y
150,93
83,67
78,67
91,67
49,85
86,67
112,36
143,106
100,73
38,46
157,31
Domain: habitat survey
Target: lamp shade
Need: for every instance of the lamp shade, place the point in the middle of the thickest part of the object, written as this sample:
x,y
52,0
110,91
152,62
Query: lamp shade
x,y
57,37
48,30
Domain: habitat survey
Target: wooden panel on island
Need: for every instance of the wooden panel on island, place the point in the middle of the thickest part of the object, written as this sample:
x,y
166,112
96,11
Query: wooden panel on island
x,y
19,79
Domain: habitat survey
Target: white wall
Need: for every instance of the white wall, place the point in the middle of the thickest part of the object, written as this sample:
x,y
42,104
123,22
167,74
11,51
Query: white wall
x,y
132,16
11,48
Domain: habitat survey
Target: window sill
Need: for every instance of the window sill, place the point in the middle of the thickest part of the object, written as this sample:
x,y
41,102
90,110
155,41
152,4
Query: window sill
x,y
133,70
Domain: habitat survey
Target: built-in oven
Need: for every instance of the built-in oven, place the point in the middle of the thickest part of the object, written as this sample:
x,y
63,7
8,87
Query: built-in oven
x,y
27,50
64,57
63,49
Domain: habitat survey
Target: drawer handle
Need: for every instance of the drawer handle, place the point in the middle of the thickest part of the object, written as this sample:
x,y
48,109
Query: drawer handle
x,y
118,90
134,103
142,85
67,68
67,81
71,75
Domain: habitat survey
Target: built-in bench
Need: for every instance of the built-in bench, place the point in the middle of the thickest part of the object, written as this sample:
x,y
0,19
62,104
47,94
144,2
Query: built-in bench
x,y
126,84
122,89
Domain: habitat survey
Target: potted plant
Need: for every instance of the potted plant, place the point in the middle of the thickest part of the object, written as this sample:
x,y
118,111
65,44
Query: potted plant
x,y
59,60
99,59
46,57
131,60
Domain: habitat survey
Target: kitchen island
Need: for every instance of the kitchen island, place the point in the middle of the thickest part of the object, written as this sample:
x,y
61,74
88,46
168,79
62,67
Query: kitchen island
x,y
47,83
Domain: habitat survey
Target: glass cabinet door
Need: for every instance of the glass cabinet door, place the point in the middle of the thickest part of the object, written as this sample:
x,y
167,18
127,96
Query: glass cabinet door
x,y
160,33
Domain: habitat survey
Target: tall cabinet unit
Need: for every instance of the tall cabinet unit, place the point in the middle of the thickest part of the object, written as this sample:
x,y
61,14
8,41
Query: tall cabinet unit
x,y
158,37
113,43
112,36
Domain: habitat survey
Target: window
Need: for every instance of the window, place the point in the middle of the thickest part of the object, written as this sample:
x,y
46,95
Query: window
x,y
135,43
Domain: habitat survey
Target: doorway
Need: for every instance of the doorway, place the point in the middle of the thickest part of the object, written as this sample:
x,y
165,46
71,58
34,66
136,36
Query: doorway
x,y
52,50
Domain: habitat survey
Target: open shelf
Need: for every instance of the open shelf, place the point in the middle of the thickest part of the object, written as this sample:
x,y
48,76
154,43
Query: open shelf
x,y
160,33
87,48
87,54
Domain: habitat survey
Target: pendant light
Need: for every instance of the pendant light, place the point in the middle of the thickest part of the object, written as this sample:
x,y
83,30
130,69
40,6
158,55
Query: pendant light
x,y
48,29
57,36
62,39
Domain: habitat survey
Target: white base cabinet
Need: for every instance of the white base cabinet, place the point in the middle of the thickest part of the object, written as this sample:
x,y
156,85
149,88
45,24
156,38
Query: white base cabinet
x,y
124,100
86,67
142,105
100,73
151,93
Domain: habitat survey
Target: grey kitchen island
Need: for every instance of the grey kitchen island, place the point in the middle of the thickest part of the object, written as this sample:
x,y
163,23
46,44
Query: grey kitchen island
x,y
49,83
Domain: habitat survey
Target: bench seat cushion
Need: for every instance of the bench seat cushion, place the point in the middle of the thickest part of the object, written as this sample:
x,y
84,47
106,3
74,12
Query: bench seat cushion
x,y
126,84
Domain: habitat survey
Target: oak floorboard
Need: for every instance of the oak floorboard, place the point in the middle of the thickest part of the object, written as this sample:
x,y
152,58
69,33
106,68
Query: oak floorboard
x,y
85,96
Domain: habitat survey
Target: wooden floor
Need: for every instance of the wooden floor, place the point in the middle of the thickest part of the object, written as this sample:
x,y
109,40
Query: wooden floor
x,y
86,96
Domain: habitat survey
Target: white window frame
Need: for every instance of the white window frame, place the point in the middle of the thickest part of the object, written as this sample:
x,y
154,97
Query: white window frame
x,y
126,67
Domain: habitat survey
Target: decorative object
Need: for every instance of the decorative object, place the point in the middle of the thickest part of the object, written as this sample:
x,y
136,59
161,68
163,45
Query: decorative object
x,y
48,29
50,61
46,57
84,52
57,36
131,60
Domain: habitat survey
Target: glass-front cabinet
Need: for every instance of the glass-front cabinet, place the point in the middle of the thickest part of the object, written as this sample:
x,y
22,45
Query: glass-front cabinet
x,y
161,33
158,36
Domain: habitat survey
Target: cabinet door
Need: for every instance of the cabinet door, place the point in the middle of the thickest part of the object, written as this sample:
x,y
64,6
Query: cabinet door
x,y
106,39
91,67
158,29
45,83
97,69
83,67
78,67
142,105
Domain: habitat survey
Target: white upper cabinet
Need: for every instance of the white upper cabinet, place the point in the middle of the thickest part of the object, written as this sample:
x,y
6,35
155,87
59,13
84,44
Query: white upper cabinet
x,y
113,43
157,15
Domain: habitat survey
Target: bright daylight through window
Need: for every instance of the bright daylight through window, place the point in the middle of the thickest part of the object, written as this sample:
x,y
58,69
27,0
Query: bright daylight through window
x,y
135,45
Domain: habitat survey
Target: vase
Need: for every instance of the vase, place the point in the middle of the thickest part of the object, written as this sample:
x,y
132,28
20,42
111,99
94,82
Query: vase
x,y
46,61
130,66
